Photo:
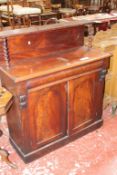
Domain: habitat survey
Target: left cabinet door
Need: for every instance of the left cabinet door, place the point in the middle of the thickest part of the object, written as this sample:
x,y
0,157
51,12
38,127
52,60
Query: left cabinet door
x,y
47,114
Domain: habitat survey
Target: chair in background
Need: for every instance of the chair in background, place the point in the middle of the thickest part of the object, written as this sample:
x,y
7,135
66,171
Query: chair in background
x,y
51,21
36,4
16,13
94,6
80,9
67,12
56,7
7,11
2,2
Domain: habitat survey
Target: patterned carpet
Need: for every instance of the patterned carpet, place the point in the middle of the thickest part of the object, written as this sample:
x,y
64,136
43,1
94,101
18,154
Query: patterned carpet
x,y
93,154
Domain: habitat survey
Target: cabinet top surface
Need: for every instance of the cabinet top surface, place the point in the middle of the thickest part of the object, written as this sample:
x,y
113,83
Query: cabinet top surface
x,y
32,68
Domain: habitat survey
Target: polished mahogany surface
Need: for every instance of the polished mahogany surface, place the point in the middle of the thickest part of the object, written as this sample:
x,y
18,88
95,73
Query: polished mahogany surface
x,y
44,43
40,43
25,69
57,86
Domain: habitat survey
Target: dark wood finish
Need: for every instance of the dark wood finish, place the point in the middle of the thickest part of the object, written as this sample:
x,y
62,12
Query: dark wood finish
x,y
57,85
4,50
28,37
81,112
43,43
53,99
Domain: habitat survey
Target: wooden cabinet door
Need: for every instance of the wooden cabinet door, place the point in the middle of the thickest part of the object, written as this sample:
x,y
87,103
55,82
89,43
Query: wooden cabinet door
x,y
85,101
47,114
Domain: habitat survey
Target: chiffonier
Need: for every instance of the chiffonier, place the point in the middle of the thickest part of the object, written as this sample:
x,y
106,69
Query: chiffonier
x,y
57,86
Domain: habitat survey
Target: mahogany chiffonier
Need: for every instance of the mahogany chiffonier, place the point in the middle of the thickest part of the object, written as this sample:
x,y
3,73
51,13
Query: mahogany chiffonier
x,y
57,86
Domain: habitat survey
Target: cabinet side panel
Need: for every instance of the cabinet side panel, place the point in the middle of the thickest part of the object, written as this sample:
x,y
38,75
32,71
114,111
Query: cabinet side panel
x,y
13,115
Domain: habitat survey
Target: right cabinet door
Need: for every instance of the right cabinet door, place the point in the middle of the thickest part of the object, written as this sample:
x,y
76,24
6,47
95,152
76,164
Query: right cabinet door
x,y
85,101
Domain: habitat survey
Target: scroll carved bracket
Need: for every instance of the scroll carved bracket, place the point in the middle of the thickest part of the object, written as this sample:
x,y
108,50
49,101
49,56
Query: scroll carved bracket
x,y
23,101
102,74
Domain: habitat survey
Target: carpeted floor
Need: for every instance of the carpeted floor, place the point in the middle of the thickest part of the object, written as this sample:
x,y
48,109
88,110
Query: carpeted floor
x,y
93,154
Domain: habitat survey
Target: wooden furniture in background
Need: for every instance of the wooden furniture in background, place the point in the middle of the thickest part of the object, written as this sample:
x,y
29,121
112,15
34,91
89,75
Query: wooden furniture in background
x,y
100,25
107,41
95,6
36,4
16,13
55,7
67,12
80,9
47,17
6,101
2,22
